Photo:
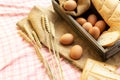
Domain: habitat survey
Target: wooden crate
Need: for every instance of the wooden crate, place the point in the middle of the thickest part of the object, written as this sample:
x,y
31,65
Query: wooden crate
x,y
105,53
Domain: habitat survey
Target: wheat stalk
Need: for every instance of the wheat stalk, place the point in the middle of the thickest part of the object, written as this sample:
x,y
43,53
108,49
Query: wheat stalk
x,y
24,35
36,39
50,74
57,52
43,22
45,25
50,29
28,31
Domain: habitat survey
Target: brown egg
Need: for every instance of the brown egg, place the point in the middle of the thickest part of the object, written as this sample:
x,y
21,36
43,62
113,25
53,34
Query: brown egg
x,y
92,18
81,20
87,26
76,52
95,32
101,25
70,5
66,39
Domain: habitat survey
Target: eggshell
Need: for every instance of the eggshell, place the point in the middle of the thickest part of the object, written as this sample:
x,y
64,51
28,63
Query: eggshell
x,y
92,18
66,39
87,26
101,25
95,32
76,52
81,20
70,5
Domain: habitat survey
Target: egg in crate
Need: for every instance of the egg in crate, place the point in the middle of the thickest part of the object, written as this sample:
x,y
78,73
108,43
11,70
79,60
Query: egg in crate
x,y
95,32
87,26
92,18
101,25
81,20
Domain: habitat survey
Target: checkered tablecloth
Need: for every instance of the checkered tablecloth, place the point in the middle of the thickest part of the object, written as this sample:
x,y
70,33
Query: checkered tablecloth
x,y
18,60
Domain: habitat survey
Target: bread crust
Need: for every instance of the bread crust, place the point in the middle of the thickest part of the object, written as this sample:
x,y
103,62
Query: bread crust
x,y
108,38
93,70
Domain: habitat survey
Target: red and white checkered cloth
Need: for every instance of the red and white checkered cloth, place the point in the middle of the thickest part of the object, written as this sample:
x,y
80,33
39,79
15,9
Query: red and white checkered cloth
x,y
18,60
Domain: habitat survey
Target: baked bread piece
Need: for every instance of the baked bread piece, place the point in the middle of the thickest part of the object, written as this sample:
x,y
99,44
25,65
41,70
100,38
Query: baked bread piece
x,y
94,76
88,65
110,12
95,70
108,38
105,72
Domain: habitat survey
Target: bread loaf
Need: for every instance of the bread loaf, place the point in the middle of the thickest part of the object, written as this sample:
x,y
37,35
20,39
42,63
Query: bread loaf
x,y
110,12
101,70
95,70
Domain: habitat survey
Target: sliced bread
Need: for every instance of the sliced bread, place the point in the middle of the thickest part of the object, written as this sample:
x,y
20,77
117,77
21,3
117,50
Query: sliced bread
x,y
108,38
90,74
89,64
94,76
101,70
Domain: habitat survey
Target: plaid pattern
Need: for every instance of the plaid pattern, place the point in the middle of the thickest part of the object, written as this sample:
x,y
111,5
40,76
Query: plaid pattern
x,y
18,60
